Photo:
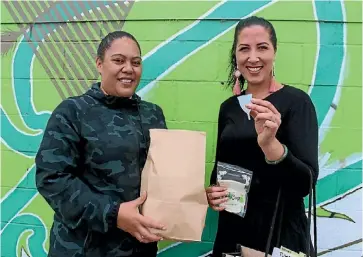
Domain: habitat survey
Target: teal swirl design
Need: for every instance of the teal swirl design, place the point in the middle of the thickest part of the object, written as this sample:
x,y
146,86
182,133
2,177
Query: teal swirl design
x,y
327,73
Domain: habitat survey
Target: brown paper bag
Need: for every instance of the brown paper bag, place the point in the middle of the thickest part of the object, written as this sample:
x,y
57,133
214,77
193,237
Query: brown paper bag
x,y
173,177
246,252
249,252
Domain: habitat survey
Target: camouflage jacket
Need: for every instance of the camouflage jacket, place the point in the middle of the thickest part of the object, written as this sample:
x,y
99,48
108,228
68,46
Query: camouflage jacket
x,y
89,161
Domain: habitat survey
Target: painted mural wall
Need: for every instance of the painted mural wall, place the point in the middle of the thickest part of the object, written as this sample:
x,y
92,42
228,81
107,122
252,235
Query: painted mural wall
x,y
47,54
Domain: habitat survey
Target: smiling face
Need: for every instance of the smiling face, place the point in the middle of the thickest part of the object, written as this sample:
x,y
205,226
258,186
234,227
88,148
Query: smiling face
x,y
120,68
255,54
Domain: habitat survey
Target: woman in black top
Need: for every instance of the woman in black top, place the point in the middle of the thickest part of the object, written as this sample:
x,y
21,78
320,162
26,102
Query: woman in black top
x,y
279,144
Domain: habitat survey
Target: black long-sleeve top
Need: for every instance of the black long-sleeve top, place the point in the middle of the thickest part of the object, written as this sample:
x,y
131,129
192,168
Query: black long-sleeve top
x,y
237,144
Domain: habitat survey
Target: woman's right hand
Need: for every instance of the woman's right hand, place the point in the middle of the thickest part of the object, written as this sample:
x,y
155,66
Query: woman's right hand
x,y
130,220
216,195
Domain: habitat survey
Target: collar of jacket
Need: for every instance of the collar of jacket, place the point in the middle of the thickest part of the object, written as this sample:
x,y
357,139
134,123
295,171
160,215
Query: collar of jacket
x,y
110,100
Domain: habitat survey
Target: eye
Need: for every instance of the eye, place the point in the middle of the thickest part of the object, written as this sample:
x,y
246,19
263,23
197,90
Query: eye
x,y
118,61
136,63
263,47
243,48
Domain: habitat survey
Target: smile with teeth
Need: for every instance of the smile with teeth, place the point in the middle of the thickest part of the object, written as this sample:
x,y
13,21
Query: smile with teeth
x,y
254,69
125,81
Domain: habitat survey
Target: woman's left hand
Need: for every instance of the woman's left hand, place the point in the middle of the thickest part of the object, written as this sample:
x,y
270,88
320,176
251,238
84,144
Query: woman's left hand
x,y
267,120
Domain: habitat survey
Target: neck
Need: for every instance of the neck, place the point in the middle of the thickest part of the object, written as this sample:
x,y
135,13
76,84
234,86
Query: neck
x,y
103,90
258,90
262,90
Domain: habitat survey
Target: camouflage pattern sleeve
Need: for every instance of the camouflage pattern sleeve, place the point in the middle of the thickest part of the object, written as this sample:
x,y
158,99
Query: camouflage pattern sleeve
x,y
58,162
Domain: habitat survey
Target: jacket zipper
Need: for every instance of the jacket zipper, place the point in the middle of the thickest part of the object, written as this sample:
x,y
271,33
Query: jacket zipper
x,y
87,241
134,129
143,135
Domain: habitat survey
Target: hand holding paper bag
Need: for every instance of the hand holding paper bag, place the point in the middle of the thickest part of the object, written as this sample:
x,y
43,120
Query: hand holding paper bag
x,y
174,176
130,220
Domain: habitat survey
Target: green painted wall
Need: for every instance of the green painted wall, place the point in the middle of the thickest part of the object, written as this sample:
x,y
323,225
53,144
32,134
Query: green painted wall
x,y
48,51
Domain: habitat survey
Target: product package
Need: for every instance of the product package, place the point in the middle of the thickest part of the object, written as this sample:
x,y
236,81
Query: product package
x,y
237,180
243,100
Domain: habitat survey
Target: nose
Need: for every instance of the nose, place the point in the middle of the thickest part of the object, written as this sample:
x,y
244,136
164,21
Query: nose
x,y
253,57
127,68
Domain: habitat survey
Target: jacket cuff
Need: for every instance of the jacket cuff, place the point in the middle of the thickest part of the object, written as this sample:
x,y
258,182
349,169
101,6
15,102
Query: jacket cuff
x,y
112,217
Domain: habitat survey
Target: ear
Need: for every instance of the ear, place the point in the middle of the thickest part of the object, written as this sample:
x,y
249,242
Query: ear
x,y
99,65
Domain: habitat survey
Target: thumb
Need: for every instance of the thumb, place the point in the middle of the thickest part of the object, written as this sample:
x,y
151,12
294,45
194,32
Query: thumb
x,y
141,199
253,114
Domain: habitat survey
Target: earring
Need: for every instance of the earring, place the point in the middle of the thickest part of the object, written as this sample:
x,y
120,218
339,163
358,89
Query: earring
x,y
272,88
237,87
273,70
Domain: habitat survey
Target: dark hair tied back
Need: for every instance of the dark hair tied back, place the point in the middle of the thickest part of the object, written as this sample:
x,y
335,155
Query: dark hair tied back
x,y
107,41
244,23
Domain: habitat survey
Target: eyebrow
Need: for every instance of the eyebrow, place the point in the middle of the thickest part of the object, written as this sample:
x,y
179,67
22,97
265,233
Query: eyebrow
x,y
262,43
118,55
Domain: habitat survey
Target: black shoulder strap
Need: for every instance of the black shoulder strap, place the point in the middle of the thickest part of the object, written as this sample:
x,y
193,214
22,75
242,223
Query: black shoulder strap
x,y
312,194
273,221
312,197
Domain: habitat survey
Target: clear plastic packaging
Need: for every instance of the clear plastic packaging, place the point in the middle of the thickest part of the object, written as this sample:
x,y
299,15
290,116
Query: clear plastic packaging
x,y
237,180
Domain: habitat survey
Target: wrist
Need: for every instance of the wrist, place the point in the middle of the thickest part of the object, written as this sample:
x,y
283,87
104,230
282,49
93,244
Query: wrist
x,y
114,214
273,151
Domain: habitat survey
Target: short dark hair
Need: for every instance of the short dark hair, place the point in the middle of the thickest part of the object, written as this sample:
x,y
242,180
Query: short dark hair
x,y
244,23
106,42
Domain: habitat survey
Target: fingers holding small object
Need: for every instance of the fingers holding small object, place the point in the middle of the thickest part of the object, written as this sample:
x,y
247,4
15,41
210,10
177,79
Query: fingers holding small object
x,y
215,195
218,201
217,198
215,189
262,106
266,104
218,208
270,124
265,116
268,116
253,114
258,108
